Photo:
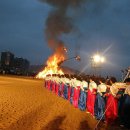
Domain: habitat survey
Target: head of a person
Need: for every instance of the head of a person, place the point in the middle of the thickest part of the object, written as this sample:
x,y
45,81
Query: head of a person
x,y
91,79
127,81
113,80
102,80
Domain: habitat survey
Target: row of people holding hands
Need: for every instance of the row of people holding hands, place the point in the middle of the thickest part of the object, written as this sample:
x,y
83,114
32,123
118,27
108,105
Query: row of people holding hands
x,y
104,99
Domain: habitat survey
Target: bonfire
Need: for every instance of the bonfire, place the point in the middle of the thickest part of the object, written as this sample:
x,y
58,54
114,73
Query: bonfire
x,y
53,66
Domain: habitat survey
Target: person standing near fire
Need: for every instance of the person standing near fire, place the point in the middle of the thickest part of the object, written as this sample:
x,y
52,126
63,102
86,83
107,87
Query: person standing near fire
x,y
112,102
83,95
72,85
57,81
99,107
66,84
91,96
126,106
77,86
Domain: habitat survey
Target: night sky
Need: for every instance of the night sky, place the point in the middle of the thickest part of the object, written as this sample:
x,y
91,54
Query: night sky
x,y
98,26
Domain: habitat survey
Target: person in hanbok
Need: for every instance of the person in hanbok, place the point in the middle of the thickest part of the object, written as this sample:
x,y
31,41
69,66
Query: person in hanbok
x,y
76,93
99,107
72,85
91,96
120,96
45,81
126,106
60,86
66,84
69,87
112,103
57,84
54,83
48,82
83,95
51,82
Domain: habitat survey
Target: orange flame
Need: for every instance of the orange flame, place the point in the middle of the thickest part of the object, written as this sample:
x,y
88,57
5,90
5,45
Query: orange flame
x,y
52,66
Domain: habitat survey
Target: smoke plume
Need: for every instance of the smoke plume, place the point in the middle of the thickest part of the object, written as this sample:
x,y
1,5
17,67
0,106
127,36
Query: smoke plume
x,y
59,23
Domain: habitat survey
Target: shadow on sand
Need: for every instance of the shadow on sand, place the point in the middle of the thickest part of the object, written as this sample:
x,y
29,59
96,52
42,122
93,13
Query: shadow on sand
x,y
84,125
55,124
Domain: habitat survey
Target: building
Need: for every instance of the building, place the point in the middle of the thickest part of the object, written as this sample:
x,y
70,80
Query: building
x,y
7,60
21,66
13,65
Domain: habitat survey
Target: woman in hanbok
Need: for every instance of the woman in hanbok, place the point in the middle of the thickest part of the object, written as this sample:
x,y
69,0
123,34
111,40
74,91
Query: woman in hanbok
x,y
99,107
91,96
83,95
76,93
112,103
66,84
60,86
126,105
120,96
73,80
45,81
51,82
54,84
69,88
57,85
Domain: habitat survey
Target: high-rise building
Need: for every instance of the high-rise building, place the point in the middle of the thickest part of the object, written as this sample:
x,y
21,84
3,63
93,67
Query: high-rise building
x,y
13,65
7,60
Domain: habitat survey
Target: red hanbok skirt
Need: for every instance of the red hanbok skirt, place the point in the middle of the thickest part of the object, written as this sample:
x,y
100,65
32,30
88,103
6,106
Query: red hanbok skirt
x,y
48,84
53,87
56,88
91,101
111,108
76,96
69,90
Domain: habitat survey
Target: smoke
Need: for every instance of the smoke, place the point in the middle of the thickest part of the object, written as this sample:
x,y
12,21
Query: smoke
x,y
58,23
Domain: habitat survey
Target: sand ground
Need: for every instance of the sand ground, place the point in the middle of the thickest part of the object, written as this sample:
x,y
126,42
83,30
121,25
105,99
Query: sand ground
x,y
25,104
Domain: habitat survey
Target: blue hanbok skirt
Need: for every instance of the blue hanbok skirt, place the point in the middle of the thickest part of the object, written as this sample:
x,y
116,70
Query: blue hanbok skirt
x,y
126,111
71,95
82,100
65,93
99,107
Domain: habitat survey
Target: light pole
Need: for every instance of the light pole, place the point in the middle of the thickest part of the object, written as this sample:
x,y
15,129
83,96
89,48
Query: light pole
x,y
96,62
75,57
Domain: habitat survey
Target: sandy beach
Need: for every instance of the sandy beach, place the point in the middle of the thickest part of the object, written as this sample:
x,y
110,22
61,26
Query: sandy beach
x,y
25,104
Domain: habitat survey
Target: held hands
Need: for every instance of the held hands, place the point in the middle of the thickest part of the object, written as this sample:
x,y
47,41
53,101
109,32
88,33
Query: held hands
x,y
118,96
94,93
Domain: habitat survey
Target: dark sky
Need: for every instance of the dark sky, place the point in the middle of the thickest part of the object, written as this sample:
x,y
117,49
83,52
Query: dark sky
x,y
99,25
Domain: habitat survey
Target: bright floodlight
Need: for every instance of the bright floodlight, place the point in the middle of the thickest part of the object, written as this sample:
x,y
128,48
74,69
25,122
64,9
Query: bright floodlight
x,y
97,58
